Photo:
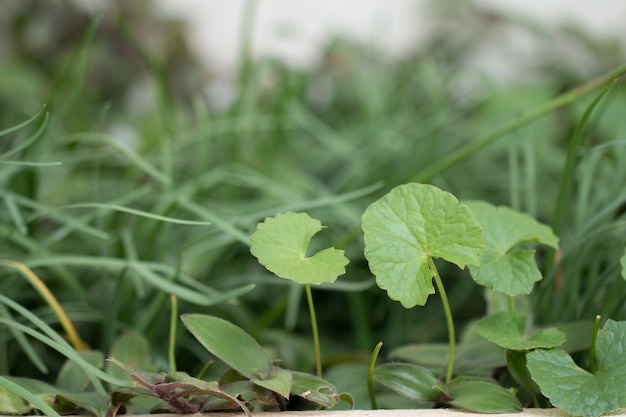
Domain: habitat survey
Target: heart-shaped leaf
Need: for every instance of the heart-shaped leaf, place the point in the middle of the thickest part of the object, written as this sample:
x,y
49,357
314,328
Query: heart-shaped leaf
x,y
409,225
577,391
502,268
408,380
483,397
239,350
508,329
280,244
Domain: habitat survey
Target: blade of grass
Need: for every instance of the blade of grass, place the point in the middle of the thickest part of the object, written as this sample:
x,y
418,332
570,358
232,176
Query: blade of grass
x,y
24,343
124,209
52,339
30,140
133,157
470,148
25,123
45,293
570,161
28,396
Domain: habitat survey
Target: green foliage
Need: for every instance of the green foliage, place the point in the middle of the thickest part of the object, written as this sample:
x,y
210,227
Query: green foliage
x,y
508,329
131,185
243,354
482,397
623,263
576,390
502,267
239,350
280,244
410,225
411,381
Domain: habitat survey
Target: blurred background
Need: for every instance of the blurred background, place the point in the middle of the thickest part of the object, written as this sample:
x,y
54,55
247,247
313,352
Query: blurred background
x,y
230,111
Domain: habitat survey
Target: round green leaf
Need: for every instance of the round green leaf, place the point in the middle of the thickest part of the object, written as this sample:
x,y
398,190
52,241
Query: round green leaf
x,y
576,390
508,329
502,268
280,244
409,225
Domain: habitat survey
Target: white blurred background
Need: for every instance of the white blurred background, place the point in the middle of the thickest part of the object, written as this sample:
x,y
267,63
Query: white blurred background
x,y
295,30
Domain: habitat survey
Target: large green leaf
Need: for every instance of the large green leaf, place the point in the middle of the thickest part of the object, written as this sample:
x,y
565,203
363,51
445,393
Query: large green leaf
x,y
502,267
408,380
508,329
280,244
409,225
576,390
239,350
483,397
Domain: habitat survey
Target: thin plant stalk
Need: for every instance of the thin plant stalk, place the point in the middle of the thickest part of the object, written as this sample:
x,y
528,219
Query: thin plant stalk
x,y
316,337
560,101
449,321
370,375
172,341
592,349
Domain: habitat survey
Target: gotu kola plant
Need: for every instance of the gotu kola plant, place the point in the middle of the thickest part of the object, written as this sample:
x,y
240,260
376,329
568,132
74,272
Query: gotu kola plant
x,y
405,231
280,244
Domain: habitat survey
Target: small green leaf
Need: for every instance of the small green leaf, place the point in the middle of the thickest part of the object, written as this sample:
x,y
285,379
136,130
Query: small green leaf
x,y
574,389
409,225
408,380
503,269
508,329
483,397
280,244
314,389
279,381
230,344
239,350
